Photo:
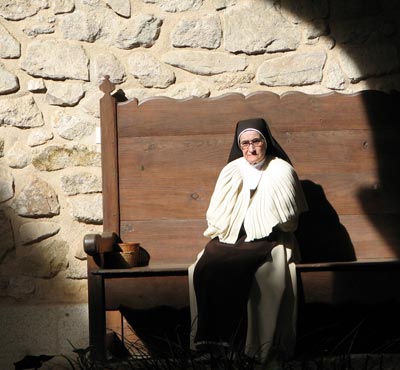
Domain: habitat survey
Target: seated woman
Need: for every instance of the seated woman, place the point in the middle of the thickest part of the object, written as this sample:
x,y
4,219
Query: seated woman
x,y
243,284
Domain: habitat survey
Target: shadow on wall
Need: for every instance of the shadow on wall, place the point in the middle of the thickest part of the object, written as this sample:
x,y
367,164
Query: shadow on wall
x,y
7,190
7,235
368,34
371,48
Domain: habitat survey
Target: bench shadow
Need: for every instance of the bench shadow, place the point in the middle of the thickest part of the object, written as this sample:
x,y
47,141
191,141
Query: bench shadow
x,y
163,330
348,328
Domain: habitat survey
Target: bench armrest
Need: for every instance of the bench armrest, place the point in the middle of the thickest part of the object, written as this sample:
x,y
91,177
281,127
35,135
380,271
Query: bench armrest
x,y
94,244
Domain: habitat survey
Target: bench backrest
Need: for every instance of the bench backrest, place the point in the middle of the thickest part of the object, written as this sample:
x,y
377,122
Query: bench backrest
x,y
161,159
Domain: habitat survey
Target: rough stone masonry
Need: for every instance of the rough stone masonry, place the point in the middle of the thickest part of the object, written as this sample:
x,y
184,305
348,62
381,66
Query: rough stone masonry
x,y
54,54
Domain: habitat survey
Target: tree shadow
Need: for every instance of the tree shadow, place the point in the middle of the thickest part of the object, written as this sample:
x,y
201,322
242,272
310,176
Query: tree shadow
x,y
364,31
382,201
366,34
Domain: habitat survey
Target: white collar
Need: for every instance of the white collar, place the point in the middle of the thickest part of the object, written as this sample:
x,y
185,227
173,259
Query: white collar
x,y
251,173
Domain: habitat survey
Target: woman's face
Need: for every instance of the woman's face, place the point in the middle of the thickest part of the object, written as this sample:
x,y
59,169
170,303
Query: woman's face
x,y
255,151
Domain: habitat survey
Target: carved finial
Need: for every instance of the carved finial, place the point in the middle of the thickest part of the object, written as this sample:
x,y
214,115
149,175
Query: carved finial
x,y
106,86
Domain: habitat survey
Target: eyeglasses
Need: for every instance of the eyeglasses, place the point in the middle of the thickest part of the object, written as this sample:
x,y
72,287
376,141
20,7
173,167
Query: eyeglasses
x,y
255,142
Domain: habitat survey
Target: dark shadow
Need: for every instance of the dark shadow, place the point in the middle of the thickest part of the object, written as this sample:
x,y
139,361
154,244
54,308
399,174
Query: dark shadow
x,y
163,330
348,328
120,260
381,202
367,32
120,96
321,236
364,30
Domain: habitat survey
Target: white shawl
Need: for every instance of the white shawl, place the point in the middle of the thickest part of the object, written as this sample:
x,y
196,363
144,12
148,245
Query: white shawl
x,y
278,200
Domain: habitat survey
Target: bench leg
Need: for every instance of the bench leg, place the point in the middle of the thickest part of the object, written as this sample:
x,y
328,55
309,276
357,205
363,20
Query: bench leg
x,y
97,313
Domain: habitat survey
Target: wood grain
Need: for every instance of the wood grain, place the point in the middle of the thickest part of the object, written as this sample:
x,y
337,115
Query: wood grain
x,y
344,148
161,159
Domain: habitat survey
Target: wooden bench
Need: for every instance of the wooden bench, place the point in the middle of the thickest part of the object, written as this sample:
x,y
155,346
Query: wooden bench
x,y
160,161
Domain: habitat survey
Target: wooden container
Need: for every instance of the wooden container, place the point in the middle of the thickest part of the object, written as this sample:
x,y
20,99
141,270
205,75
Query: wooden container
x,y
126,257
129,247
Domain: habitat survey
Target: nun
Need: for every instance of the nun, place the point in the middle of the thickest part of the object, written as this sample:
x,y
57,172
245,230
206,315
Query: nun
x,y
242,285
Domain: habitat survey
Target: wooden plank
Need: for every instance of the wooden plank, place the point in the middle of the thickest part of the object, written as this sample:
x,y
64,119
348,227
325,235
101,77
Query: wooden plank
x,y
361,265
147,292
349,194
327,238
311,152
174,179
180,172
219,115
152,270
196,116
155,198
314,152
97,315
323,237
109,159
341,151
177,241
181,269
359,284
333,287
369,286
154,153
374,235
337,111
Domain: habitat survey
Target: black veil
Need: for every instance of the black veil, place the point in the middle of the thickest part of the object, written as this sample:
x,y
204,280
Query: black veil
x,y
273,147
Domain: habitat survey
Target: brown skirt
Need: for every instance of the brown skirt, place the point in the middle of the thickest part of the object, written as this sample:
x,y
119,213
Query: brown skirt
x,y
222,280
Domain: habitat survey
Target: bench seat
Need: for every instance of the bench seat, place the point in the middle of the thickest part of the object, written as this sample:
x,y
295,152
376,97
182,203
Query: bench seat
x,y
181,269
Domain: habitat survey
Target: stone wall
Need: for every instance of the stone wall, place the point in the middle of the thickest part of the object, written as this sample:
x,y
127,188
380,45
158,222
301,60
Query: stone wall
x,y
54,53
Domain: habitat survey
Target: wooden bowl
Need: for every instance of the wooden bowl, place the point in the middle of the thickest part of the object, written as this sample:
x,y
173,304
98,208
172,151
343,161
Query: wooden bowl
x,y
129,247
126,256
